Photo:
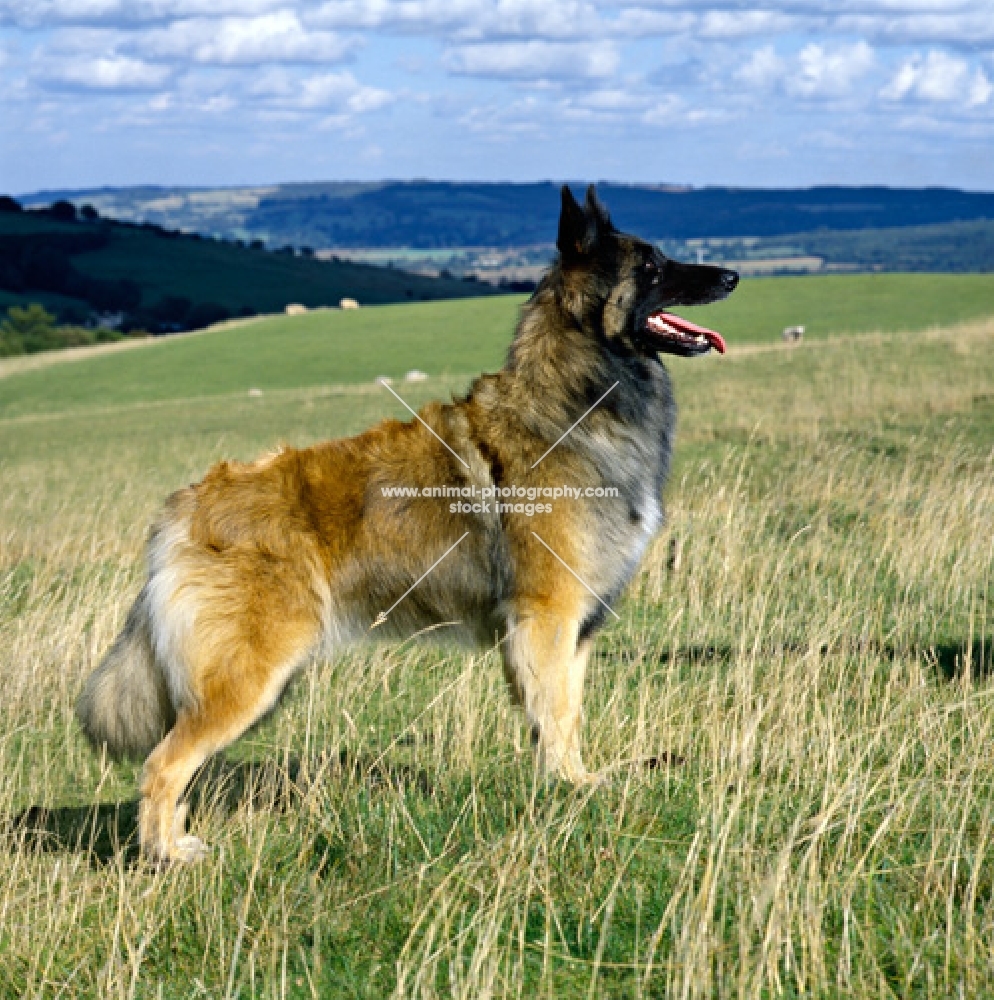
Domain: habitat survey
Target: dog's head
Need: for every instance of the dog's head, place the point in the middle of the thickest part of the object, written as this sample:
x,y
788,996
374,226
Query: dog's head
x,y
623,285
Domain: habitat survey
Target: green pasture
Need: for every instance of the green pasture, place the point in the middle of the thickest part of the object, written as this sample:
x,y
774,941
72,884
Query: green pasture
x,y
794,712
461,337
850,303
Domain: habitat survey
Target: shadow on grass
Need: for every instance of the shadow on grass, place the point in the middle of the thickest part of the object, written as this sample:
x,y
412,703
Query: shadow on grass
x,y
109,830
952,659
960,659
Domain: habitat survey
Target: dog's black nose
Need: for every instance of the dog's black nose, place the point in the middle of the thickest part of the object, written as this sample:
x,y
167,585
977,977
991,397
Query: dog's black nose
x,y
729,279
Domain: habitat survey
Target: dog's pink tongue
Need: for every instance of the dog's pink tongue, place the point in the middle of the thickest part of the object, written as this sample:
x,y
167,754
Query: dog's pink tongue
x,y
685,326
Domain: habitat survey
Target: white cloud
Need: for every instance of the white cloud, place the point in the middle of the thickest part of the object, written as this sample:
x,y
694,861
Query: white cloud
x,y
739,24
902,82
321,91
955,22
822,72
425,15
467,20
612,99
123,13
941,77
37,13
980,89
966,25
535,19
534,60
763,69
958,23
637,22
276,37
938,77
664,111
815,72
111,72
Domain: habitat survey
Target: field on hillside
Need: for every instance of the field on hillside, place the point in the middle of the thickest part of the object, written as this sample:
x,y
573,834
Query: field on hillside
x,y
796,717
458,337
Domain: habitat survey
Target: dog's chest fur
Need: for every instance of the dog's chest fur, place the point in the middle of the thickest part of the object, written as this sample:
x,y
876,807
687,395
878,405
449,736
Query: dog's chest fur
x,y
623,445
631,453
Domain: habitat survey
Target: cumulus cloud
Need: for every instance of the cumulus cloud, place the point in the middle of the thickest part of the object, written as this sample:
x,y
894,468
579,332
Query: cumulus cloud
x,y
230,41
740,24
122,13
339,92
817,71
428,15
533,60
108,73
980,91
823,72
762,70
938,77
965,26
467,20
962,23
637,22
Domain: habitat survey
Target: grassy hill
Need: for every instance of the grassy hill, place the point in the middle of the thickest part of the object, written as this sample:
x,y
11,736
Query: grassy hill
x,y
76,267
835,304
794,719
463,337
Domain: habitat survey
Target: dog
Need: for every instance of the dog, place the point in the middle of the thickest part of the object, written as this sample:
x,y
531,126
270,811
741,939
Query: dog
x,y
258,565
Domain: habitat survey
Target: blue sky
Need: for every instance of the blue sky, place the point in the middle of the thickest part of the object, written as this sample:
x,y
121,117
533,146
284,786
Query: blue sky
x,y
223,92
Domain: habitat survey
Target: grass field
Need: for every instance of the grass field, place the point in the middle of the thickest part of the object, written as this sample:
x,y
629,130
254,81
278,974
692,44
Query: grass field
x,y
461,336
808,685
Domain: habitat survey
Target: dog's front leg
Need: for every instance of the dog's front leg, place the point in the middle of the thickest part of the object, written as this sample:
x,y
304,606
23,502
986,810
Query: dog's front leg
x,y
546,665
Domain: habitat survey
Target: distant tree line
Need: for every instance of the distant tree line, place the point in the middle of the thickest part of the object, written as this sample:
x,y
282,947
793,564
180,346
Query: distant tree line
x,y
42,262
30,329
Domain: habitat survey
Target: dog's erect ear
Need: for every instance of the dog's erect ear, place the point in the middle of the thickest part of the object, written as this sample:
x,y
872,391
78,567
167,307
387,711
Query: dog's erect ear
x,y
572,227
580,228
596,211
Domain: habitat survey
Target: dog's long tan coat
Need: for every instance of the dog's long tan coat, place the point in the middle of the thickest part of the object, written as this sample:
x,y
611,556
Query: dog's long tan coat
x,y
256,566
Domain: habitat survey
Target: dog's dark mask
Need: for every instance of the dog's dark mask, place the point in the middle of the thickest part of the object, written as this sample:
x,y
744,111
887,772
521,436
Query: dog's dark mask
x,y
633,284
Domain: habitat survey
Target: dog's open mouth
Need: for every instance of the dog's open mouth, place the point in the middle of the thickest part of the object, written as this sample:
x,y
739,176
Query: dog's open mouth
x,y
674,333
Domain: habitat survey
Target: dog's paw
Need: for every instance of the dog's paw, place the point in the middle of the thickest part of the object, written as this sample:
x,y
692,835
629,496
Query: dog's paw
x,y
590,779
567,767
188,849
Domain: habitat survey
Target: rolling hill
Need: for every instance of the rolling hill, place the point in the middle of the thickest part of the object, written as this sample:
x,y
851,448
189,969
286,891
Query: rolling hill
x,y
432,214
164,280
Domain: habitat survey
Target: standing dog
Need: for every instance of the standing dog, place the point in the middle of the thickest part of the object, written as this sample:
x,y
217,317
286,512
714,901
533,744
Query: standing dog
x,y
251,569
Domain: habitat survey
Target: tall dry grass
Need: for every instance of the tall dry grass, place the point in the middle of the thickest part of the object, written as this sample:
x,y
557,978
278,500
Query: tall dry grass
x,y
794,713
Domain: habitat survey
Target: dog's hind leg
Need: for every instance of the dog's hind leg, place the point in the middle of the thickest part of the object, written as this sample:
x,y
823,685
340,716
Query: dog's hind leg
x,y
237,683
546,665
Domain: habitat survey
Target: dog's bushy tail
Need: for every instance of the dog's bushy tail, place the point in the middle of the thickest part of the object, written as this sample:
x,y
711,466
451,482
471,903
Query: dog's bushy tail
x,y
125,704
